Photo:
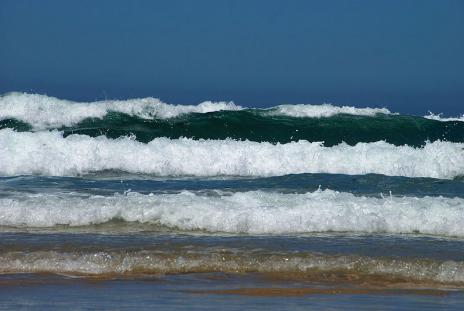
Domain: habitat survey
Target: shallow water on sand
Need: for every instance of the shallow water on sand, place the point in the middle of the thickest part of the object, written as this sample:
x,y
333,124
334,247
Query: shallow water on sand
x,y
196,292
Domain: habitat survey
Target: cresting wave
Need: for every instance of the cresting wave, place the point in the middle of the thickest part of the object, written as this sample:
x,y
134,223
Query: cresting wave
x,y
148,118
254,212
254,126
49,153
133,262
321,111
43,112
438,117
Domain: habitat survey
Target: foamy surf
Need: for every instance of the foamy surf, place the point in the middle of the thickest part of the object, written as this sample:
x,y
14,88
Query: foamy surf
x,y
253,212
324,111
439,117
44,112
49,153
206,260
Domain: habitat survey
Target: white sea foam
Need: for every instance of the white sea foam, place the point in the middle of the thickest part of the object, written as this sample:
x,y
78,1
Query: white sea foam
x,y
48,153
438,117
43,112
254,212
324,110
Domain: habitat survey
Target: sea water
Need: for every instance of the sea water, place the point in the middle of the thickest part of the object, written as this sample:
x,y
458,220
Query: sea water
x,y
138,203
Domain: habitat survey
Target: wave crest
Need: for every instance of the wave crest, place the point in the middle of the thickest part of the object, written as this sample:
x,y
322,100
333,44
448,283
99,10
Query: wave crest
x,y
307,265
324,111
49,153
254,212
438,117
43,112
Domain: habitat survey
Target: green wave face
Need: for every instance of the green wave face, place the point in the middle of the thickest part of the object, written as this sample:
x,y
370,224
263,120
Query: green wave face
x,y
15,124
255,126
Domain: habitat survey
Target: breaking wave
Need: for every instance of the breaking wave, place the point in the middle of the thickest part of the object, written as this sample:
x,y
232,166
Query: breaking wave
x,y
149,118
305,265
254,212
438,117
49,153
41,111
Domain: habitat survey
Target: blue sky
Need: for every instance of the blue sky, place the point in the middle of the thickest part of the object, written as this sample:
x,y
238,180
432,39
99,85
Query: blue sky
x,y
405,55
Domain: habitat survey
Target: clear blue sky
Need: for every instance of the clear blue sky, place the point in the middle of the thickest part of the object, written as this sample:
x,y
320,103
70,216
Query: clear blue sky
x,y
406,55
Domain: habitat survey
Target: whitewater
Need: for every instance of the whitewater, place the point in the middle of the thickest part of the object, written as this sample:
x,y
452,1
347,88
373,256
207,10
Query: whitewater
x,y
139,188
46,112
204,260
42,112
49,153
254,212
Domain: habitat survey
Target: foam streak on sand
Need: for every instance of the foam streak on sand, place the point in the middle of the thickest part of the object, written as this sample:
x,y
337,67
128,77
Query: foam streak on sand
x,y
254,212
49,153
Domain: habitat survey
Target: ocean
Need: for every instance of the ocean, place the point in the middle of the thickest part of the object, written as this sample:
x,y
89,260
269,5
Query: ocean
x,y
136,204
